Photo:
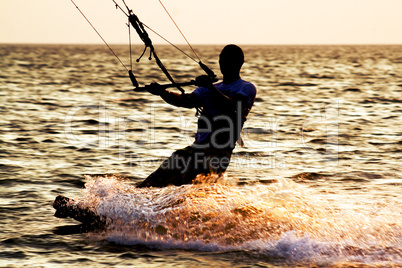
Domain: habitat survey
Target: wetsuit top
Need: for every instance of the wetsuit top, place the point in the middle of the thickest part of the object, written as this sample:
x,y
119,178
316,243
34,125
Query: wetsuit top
x,y
219,128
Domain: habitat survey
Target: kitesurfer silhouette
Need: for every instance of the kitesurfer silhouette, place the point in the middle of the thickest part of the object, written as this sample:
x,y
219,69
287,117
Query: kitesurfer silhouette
x,y
223,108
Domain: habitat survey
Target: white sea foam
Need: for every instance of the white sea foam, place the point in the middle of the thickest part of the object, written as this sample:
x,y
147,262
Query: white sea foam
x,y
283,220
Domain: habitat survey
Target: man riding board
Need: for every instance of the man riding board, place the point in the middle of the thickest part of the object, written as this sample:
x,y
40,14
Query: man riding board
x,y
223,109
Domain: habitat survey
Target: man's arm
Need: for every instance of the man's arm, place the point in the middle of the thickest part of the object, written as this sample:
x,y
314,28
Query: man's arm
x,y
173,98
180,100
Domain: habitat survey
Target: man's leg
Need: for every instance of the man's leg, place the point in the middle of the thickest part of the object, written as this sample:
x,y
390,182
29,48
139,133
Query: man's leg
x,y
183,166
214,161
172,171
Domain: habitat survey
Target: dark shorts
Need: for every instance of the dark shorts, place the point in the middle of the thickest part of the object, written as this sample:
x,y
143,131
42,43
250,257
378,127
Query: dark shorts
x,y
185,164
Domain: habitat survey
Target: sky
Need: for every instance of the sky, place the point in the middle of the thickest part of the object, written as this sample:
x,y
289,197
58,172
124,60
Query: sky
x,y
206,21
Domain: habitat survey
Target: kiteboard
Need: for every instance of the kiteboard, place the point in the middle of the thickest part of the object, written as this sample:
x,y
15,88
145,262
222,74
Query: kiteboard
x,y
68,208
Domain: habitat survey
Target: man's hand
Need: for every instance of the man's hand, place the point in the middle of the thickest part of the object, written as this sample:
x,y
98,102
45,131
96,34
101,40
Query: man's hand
x,y
203,81
155,89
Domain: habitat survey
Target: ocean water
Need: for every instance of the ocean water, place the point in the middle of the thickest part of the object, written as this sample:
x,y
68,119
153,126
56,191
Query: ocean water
x,y
318,183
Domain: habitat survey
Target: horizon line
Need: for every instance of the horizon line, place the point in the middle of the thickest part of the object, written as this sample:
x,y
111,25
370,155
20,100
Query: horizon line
x,y
209,44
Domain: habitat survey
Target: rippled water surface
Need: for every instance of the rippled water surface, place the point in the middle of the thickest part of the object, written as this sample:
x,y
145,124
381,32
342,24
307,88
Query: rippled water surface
x,y
317,183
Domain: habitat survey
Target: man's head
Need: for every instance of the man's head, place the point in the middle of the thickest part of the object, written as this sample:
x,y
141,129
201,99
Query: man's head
x,y
231,59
